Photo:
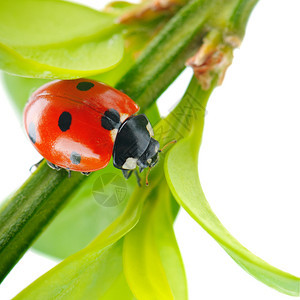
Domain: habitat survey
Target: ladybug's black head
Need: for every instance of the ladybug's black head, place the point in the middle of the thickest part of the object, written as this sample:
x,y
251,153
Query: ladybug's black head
x,y
154,160
150,156
134,146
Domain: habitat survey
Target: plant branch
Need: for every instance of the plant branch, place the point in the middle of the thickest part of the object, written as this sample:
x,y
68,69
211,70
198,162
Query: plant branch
x,y
43,195
165,57
29,210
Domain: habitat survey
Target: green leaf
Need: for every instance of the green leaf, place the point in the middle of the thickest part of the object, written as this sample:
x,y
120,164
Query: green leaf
x,y
86,215
62,39
32,23
96,272
87,275
182,177
20,88
126,221
84,218
22,221
152,263
64,62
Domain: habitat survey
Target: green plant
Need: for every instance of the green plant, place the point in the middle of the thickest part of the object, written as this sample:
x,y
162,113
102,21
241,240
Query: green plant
x,y
129,244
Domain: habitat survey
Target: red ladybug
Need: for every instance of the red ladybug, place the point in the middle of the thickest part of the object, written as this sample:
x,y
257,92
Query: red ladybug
x,y
79,124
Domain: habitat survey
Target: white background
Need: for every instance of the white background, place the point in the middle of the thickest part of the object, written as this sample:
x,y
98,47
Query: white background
x,y
249,163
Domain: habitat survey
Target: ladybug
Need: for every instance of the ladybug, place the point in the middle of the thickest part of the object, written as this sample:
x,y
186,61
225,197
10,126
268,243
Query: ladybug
x,y
79,124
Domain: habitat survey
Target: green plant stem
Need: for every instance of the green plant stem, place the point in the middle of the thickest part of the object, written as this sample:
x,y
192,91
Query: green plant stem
x,y
33,206
165,57
28,211
239,19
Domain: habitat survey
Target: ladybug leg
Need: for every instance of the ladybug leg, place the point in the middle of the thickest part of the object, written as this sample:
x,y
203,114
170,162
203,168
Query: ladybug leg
x,y
86,173
138,178
126,173
35,166
53,166
57,168
69,172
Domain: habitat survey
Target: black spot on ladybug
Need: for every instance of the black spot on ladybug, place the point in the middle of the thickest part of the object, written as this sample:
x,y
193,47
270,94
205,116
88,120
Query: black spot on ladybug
x,y
32,132
111,119
75,158
64,121
84,86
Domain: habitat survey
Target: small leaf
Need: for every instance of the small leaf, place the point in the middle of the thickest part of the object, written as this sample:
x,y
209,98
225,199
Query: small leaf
x,y
152,263
73,55
63,61
183,180
32,23
20,88
57,39
83,219
93,271
85,216
125,222
90,274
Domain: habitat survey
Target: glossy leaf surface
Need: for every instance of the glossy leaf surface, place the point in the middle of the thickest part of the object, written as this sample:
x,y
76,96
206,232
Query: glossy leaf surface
x,y
57,39
182,177
92,271
96,274
32,23
87,214
152,262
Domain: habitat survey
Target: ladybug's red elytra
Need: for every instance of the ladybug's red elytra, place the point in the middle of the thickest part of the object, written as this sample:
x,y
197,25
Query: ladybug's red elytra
x,y
79,124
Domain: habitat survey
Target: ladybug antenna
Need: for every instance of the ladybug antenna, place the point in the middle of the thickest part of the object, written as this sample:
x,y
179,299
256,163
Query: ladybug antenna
x,y
147,175
166,145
